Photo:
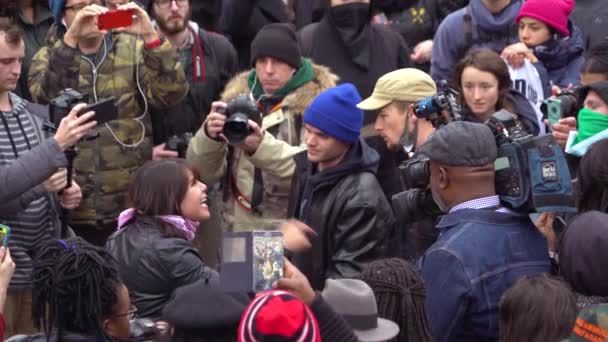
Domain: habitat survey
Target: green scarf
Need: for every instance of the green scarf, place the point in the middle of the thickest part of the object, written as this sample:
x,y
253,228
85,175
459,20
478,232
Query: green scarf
x,y
590,123
302,76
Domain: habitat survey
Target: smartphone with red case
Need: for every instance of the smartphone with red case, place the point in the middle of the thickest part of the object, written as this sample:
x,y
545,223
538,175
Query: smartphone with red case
x,y
115,19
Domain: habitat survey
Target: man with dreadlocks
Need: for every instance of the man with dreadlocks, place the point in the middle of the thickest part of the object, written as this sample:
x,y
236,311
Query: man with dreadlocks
x,y
77,294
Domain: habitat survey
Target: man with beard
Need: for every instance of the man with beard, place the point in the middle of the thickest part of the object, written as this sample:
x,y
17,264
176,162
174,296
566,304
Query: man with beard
x,y
357,51
394,98
132,64
209,62
483,248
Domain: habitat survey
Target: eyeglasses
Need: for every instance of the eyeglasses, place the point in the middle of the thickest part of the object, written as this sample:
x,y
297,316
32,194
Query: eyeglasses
x,y
130,314
80,6
168,3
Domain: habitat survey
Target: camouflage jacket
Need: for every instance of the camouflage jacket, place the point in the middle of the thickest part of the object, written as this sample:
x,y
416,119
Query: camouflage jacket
x,y
105,166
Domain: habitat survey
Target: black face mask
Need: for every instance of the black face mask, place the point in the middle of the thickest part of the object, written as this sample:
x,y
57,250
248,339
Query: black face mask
x,y
350,21
352,16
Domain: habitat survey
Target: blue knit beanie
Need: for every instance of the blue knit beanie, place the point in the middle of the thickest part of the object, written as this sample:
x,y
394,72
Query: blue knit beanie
x,y
56,7
335,113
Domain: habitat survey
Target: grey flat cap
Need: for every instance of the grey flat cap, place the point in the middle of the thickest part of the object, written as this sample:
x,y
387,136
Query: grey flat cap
x,y
461,144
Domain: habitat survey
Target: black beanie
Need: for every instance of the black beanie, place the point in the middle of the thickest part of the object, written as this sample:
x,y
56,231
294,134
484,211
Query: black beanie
x,y
279,41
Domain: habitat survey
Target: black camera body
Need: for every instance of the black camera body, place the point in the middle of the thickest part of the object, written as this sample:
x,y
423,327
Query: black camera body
x,y
532,173
63,104
144,330
564,105
238,113
179,144
446,99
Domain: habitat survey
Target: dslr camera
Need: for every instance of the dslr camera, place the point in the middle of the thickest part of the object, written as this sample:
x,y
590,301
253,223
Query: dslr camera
x,y
179,144
564,105
238,113
62,105
446,99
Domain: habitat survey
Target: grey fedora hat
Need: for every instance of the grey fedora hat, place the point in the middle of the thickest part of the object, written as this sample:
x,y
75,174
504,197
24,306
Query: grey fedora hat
x,y
355,301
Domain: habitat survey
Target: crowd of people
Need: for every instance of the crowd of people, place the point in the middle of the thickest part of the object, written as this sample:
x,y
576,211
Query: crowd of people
x,y
364,131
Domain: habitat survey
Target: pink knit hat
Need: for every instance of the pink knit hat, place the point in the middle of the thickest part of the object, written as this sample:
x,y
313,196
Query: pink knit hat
x,y
554,13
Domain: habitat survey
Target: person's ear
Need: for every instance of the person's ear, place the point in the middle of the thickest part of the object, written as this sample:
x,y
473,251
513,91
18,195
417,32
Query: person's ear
x,y
411,114
444,179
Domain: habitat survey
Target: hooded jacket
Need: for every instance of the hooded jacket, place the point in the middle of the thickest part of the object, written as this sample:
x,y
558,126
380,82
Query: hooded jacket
x,y
488,31
381,51
105,165
274,157
561,60
348,211
583,254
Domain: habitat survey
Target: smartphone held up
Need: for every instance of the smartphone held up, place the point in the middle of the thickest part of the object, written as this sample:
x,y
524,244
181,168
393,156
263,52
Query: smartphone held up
x,y
115,19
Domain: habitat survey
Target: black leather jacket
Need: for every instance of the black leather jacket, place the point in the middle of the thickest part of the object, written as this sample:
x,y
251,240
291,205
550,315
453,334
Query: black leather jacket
x,y
153,266
346,207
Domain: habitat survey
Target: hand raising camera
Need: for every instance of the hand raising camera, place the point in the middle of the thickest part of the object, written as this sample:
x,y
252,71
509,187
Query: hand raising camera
x,y
73,127
214,125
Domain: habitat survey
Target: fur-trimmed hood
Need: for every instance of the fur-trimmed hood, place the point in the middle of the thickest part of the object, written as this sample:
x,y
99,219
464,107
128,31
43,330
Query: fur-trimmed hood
x,y
296,101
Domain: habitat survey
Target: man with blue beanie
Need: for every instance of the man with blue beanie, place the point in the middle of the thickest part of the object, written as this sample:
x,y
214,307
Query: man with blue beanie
x,y
336,193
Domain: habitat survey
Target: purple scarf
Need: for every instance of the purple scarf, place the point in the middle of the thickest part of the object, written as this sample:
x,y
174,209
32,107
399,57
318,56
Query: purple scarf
x,y
187,227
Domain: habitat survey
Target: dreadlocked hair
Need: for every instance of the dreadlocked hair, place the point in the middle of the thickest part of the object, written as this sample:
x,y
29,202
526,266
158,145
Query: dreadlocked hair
x,y
400,294
74,288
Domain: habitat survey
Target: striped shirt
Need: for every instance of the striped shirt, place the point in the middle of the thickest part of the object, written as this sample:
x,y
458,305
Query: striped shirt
x,y
34,224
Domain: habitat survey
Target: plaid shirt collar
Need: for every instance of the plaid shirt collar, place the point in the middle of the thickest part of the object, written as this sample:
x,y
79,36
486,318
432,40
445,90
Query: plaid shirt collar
x,y
478,203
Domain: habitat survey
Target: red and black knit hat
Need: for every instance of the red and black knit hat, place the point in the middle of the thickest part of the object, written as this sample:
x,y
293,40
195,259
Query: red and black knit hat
x,y
278,316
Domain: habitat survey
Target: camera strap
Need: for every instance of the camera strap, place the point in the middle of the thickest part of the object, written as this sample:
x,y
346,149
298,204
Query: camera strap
x,y
198,62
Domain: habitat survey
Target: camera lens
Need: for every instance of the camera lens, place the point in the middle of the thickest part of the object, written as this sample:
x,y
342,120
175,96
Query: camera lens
x,y
414,205
236,128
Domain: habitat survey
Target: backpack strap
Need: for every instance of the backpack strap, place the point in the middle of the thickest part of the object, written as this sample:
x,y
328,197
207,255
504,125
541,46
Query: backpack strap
x,y
468,30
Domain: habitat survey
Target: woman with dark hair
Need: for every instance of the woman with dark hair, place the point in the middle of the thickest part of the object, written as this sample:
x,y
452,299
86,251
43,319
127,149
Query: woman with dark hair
x,y
153,242
537,309
400,294
592,180
77,294
484,83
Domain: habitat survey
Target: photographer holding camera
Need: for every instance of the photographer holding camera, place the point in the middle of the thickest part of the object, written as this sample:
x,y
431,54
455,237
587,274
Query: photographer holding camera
x,y
483,247
251,144
34,188
395,97
132,64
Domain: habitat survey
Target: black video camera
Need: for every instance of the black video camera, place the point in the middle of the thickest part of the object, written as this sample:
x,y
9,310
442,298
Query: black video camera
x,y
446,99
416,203
532,173
238,112
179,144
564,105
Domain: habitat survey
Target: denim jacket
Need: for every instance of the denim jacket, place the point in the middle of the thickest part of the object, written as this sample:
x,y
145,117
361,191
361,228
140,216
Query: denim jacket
x,y
480,253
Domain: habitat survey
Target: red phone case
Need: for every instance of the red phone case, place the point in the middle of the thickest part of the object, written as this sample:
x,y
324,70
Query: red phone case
x,y
114,19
